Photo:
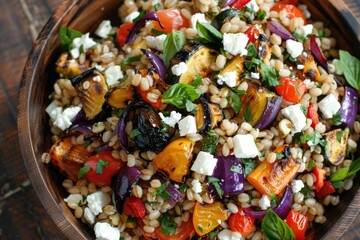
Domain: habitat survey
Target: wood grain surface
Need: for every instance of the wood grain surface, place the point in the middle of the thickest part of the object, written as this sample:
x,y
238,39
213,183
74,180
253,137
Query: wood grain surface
x,y
21,214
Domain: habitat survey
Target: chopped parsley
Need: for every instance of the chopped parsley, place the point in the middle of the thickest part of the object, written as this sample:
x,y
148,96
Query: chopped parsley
x,y
167,226
261,14
160,191
142,13
336,118
100,166
249,165
311,165
234,101
247,115
84,170
215,182
183,187
251,50
129,60
298,36
339,136
279,155
87,142
235,169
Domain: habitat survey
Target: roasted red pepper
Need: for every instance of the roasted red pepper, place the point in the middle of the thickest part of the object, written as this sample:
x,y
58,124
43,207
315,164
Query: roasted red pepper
x,y
313,115
252,33
123,32
241,222
320,177
298,224
143,94
134,207
239,4
326,189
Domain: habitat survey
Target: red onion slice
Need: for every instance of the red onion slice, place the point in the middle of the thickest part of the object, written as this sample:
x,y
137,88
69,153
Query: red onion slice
x,y
280,30
272,109
349,106
157,62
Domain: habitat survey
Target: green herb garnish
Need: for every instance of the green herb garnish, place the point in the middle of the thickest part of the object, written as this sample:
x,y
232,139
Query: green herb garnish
x,y
100,166
179,93
172,44
84,170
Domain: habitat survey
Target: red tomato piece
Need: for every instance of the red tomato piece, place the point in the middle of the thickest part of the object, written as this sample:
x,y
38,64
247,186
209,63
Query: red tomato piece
x,y
123,32
239,4
253,33
313,115
291,10
134,206
298,224
171,19
320,177
109,167
241,222
143,95
291,89
326,189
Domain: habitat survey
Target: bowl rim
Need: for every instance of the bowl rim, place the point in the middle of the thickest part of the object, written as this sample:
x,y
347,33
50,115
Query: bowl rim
x,y
27,148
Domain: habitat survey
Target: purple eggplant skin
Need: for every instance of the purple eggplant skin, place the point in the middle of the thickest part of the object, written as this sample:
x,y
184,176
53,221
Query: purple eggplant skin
x,y
272,109
156,62
282,209
281,31
230,173
349,106
123,185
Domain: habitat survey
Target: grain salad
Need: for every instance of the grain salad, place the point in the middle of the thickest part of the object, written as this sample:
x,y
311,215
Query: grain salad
x,y
204,120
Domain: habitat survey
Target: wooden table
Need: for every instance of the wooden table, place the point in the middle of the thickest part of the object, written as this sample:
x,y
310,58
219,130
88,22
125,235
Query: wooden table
x,y
21,214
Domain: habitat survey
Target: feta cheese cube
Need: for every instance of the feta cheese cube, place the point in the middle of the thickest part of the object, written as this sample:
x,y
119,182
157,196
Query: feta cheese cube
x,y
84,41
156,42
179,68
104,231
329,106
294,48
197,17
264,202
234,43
89,216
255,75
55,113
229,78
113,74
296,116
227,234
74,198
98,200
131,17
307,29
244,146
253,5
296,185
172,120
103,29
62,119
187,125
204,163
196,186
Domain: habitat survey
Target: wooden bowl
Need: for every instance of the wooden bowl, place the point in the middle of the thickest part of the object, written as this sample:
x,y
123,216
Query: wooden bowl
x,y
39,76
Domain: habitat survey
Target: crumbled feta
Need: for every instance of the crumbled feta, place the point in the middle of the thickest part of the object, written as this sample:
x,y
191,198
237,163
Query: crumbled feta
x,y
264,202
227,234
329,106
104,231
244,52
84,42
98,200
229,78
156,42
244,146
62,119
113,74
255,75
294,48
104,29
307,29
172,120
131,17
296,186
204,163
296,116
187,125
253,5
179,68
74,198
338,67
197,17
234,43
196,186
300,66
53,105
89,216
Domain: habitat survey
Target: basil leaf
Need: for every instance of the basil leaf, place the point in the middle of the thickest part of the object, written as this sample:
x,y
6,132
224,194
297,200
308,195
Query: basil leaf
x,y
172,44
67,35
234,101
273,227
208,32
100,165
270,75
351,68
354,167
338,184
179,93
190,106
339,175
84,170
251,50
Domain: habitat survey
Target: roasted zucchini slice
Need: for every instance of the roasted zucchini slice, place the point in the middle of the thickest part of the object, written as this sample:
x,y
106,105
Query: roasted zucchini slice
x,y
69,67
310,68
335,150
264,48
235,65
198,59
119,95
208,115
223,17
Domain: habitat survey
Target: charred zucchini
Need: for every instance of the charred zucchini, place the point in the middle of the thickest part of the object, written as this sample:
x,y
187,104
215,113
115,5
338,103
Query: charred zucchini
x,y
207,116
235,65
91,88
223,17
69,67
119,95
198,59
264,48
336,145
310,68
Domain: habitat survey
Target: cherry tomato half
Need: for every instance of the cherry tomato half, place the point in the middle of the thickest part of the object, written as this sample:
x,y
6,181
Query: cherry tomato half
x,y
291,11
134,206
102,167
123,32
241,222
291,89
313,115
298,224
171,19
252,33
239,4
143,94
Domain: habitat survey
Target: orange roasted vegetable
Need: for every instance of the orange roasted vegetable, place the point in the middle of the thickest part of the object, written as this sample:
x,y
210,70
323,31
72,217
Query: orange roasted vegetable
x,y
207,217
272,178
119,95
68,158
175,159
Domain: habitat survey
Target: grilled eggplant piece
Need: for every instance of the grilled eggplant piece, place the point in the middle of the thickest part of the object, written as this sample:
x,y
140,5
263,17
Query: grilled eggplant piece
x,y
68,158
223,17
198,59
91,88
119,95
264,48
335,150
310,68
235,65
208,115
69,67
